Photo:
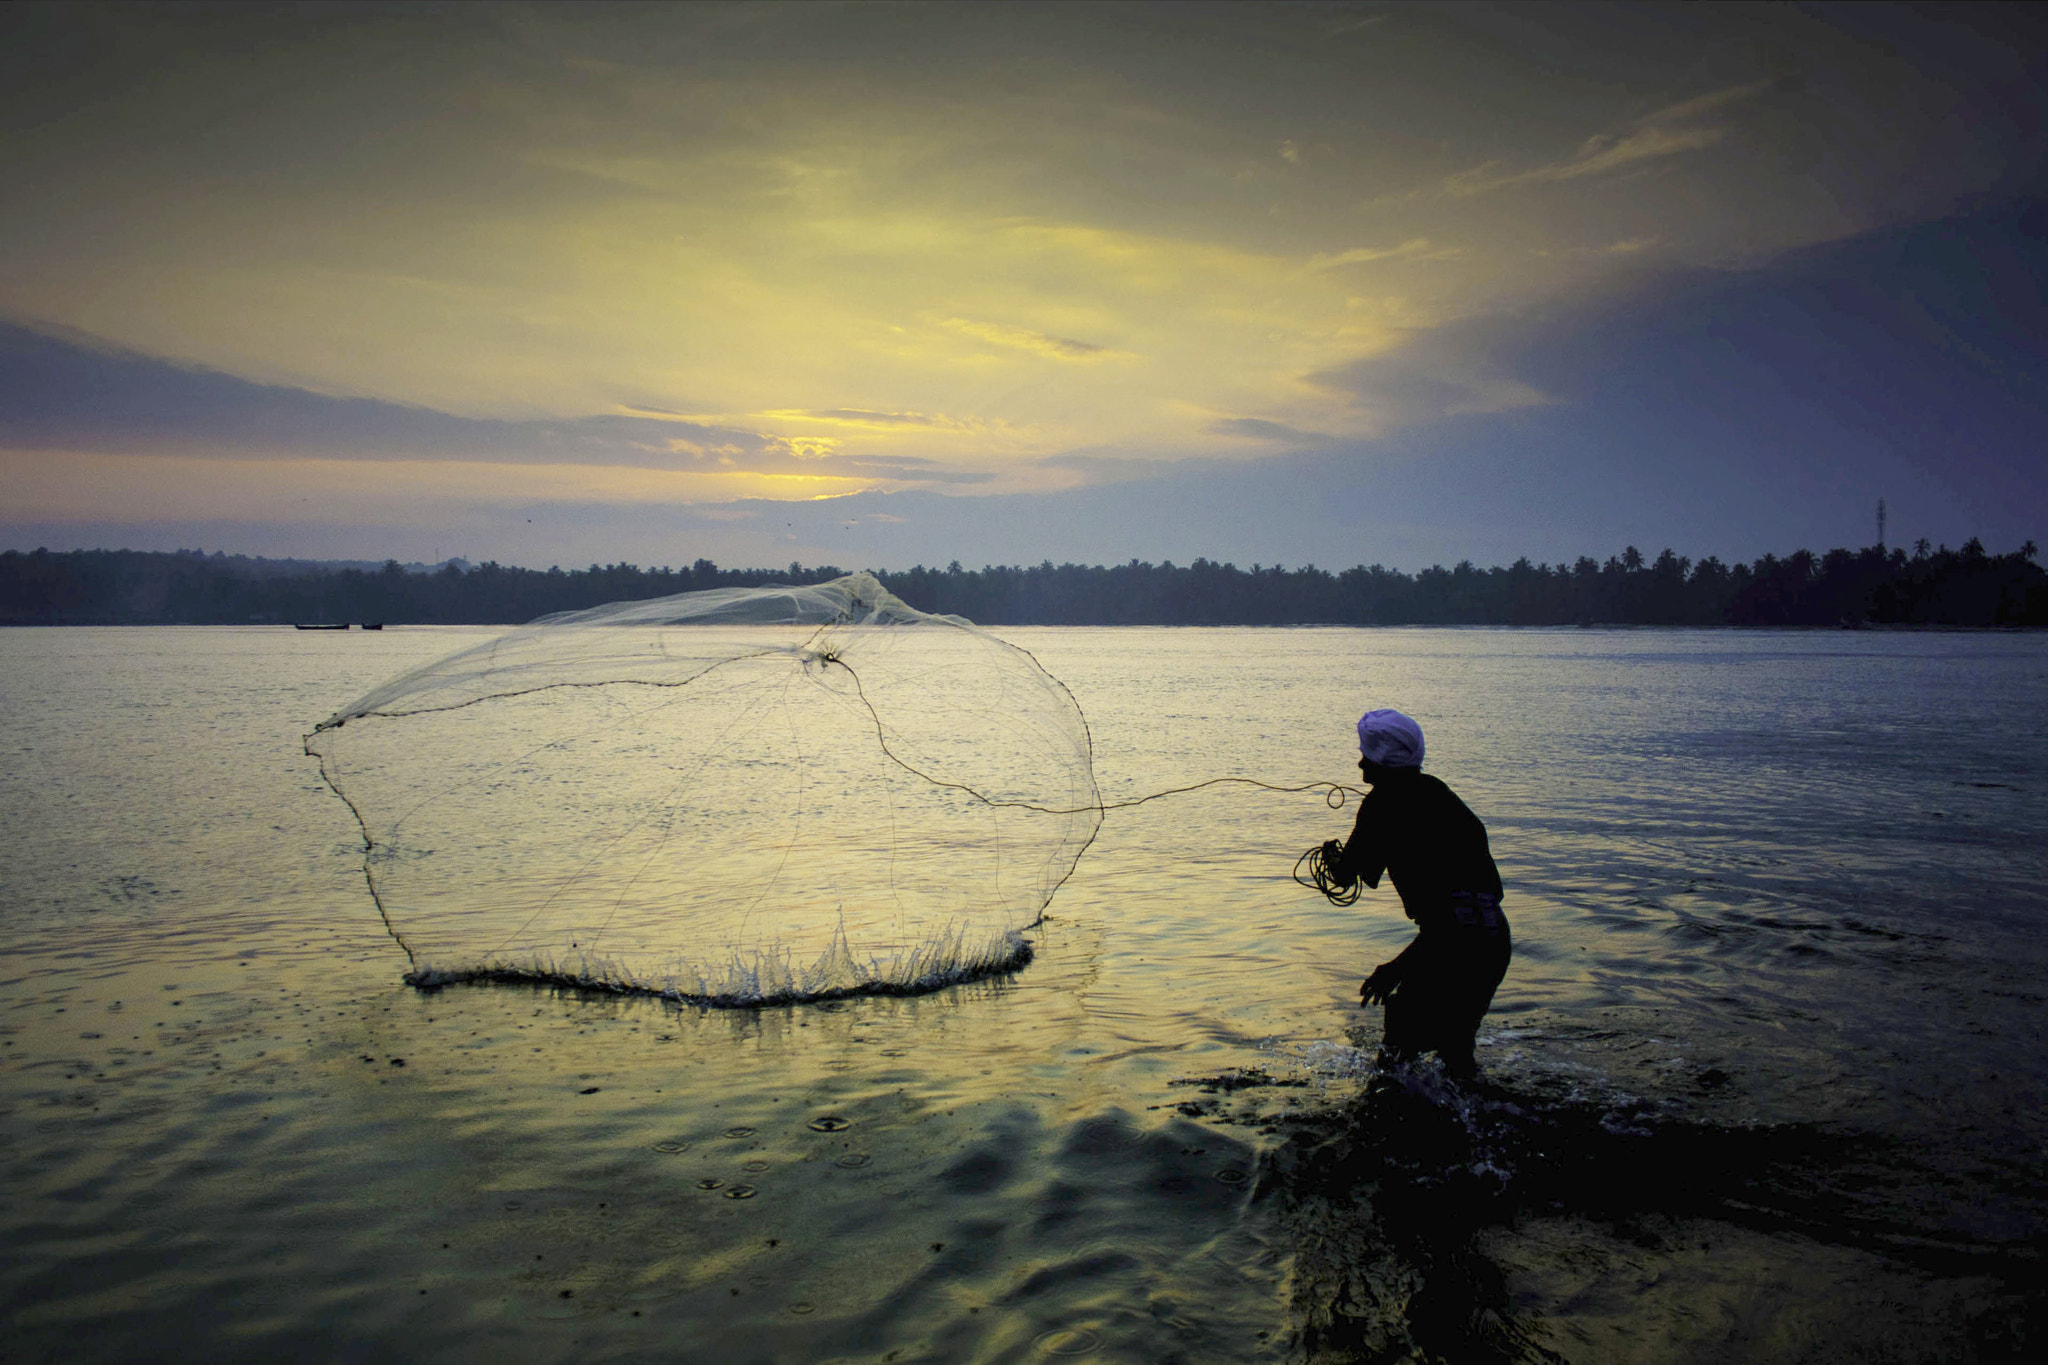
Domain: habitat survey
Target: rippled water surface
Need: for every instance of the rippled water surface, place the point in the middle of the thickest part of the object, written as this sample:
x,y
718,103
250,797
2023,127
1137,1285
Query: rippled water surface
x,y
1763,1082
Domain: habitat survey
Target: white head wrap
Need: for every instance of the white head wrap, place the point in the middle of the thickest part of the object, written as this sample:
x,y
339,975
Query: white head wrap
x,y
1390,739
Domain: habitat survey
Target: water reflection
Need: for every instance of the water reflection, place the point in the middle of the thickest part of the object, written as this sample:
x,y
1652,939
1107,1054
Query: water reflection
x,y
1481,1224
1770,1030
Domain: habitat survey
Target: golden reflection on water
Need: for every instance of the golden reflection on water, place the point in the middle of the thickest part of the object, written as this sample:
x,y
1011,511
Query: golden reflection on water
x,y
227,1123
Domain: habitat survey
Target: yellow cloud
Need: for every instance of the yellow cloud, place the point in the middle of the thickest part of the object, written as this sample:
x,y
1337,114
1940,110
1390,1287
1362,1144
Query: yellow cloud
x,y
1598,154
808,447
1650,137
869,419
1700,104
1414,249
68,486
1024,339
885,284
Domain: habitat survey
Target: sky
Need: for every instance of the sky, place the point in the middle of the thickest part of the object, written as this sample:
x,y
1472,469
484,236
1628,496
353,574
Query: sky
x,y
879,285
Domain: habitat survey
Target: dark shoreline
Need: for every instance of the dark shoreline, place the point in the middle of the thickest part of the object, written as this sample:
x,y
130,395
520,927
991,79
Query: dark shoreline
x,y
1873,588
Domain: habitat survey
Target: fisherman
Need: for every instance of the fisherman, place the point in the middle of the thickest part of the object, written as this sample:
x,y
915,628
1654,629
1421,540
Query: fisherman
x,y
1415,829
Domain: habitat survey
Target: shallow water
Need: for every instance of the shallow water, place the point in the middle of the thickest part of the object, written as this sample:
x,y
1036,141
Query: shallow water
x,y
1763,1080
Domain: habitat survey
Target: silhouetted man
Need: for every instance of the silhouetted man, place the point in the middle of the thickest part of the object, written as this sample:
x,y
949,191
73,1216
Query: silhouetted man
x,y
1415,829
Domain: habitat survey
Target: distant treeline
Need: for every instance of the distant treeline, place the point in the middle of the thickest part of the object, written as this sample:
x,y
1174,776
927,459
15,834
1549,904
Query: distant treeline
x,y
1877,586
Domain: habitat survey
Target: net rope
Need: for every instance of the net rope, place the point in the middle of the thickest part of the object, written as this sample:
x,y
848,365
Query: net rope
x,y
733,797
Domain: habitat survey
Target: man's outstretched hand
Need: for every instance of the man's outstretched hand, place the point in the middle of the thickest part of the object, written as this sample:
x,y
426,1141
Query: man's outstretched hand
x,y
1333,853
1380,984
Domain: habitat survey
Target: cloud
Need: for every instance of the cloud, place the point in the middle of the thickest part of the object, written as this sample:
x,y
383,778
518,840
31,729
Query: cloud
x,y
68,485
1414,249
64,392
870,418
1651,137
1700,104
820,241
1626,247
1684,394
916,471
1024,339
1259,429
731,449
1454,371
1599,153
804,447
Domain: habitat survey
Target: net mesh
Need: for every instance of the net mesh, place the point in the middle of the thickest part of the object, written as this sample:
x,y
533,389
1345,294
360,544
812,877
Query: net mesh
x,y
734,797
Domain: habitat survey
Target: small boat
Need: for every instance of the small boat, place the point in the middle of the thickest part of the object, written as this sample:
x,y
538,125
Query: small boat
x,y
373,625
318,625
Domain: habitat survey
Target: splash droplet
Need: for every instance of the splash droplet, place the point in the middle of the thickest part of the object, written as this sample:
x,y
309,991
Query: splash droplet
x,y
1069,1341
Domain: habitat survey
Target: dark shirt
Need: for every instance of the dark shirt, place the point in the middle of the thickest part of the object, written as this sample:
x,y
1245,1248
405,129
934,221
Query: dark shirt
x,y
1415,828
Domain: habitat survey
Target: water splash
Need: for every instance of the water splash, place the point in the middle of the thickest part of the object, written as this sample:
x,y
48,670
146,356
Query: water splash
x,y
764,977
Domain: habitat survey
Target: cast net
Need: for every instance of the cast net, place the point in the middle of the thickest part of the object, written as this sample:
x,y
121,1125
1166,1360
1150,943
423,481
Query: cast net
x,y
735,797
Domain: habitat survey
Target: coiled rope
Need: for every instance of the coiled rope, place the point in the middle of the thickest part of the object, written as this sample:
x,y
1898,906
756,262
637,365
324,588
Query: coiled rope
x,y
1320,876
